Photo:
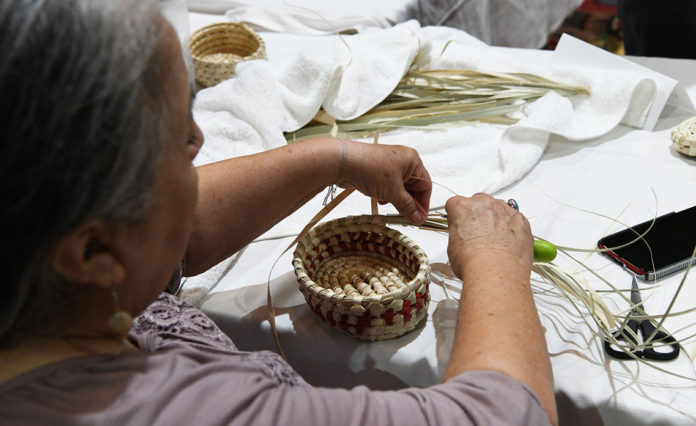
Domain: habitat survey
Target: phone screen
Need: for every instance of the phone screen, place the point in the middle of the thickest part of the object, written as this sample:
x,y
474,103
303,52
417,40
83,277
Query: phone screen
x,y
671,242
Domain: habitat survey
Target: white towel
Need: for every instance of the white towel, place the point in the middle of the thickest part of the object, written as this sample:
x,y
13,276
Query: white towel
x,y
300,20
308,17
250,112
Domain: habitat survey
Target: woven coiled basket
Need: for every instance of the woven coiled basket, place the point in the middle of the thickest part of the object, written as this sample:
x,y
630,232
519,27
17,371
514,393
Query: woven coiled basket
x,y
684,137
216,50
363,278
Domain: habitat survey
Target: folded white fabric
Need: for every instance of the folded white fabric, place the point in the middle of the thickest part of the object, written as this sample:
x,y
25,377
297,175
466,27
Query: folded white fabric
x,y
309,17
347,76
300,20
250,112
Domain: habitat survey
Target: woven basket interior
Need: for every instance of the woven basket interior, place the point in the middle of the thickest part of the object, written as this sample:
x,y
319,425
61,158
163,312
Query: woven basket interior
x,y
362,264
360,274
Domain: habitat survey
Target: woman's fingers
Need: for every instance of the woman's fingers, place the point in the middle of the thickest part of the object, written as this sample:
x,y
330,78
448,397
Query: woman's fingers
x,y
420,187
484,225
390,173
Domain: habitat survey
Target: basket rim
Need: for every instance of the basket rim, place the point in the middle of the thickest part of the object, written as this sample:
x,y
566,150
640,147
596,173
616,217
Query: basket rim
x,y
375,222
197,35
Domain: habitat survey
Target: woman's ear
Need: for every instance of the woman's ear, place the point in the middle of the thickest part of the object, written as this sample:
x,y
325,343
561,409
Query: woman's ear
x,y
86,256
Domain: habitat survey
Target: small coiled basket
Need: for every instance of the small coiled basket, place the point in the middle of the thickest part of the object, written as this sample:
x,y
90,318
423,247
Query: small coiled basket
x,y
363,278
216,50
684,137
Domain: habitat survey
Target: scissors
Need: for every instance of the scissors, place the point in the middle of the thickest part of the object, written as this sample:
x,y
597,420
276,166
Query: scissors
x,y
643,328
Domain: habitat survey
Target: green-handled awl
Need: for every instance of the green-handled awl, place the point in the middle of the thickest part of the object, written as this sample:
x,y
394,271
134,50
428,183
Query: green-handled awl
x,y
544,251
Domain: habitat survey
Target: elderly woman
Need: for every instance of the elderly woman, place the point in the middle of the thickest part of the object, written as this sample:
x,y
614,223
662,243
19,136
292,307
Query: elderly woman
x,y
101,205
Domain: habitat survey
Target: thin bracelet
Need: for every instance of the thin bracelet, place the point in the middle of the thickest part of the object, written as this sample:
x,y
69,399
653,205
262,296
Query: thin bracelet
x,y
343,161
331,192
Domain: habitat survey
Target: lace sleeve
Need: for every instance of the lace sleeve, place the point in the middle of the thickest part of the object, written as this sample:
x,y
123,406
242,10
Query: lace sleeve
x,y
169,318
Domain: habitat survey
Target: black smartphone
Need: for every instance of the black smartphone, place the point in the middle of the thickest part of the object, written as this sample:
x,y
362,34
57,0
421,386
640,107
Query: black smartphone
x,y
665,249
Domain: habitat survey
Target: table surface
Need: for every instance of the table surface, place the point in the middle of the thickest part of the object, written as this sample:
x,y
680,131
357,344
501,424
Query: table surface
x,y
629,173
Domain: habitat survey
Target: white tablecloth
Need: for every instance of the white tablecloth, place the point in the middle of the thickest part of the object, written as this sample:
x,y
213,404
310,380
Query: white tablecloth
x,y
606,175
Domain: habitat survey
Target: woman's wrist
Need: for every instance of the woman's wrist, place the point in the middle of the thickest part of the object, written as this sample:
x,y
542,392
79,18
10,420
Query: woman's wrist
x,y
342,163
331,192
500,265
322,160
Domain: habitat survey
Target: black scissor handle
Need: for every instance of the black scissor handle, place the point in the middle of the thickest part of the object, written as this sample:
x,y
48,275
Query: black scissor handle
x,y
661,339
623,334
646,329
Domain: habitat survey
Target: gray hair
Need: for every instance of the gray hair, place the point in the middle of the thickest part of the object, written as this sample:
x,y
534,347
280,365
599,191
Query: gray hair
x,y
82,118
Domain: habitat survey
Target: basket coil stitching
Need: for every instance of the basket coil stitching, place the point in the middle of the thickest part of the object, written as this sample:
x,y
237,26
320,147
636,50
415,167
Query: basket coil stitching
x,y
363,278
684,137
217,48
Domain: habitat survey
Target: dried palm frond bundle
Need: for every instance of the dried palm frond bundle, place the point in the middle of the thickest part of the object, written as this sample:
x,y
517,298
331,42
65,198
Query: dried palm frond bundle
x,y
443,97
363,278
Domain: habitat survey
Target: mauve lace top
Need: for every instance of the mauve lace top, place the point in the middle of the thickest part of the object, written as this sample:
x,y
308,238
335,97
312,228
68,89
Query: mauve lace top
x,y
188,372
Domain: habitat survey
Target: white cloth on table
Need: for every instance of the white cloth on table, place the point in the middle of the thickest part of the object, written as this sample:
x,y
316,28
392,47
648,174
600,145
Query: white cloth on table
x,y
310,17
249,113
347,76
299,20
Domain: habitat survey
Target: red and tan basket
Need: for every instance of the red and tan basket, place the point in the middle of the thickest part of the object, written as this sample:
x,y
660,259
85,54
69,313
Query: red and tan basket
x,y
363,278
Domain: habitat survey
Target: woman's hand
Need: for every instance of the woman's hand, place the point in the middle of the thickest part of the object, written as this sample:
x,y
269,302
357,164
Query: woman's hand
x,y
484,226
498,328
389,173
